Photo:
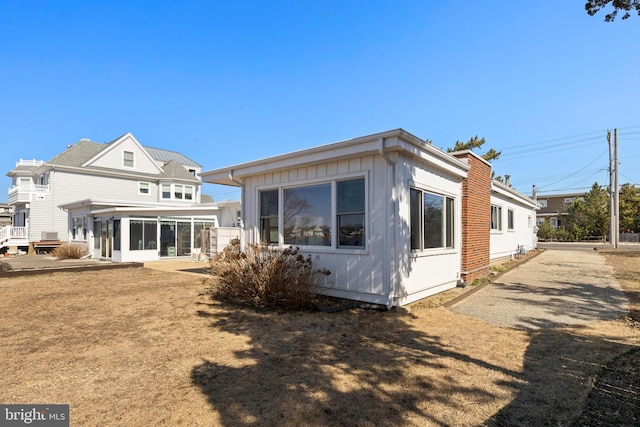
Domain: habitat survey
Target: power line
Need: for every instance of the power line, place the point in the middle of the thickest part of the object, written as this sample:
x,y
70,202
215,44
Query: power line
x,y
579,170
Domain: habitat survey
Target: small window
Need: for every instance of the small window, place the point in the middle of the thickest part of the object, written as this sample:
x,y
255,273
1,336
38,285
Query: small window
x,y
351,213
143,188
529,221
269,216
177,191
568,200
166,191
510,219
127,159
542,203
188,192
496,218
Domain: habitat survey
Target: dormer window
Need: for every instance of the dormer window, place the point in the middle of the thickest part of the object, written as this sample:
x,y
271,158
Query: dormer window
x,y
127,159
177,193
188,192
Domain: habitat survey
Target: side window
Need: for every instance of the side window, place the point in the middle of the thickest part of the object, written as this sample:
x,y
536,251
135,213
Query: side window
x,y
350,210
496,218
269,216
432,218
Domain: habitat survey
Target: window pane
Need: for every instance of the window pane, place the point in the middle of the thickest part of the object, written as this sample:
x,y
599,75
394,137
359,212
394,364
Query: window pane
x,y
432,220
449,229
135,235
269,203
128,159
166,191
415,205
116,234
144,188
188,192
510,219
150,234
351,196
177,193
307,215
97,231
269,216
351,230
197,234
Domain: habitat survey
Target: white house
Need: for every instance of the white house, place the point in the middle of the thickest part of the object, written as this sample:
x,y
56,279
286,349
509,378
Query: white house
x,y
126,202
383,212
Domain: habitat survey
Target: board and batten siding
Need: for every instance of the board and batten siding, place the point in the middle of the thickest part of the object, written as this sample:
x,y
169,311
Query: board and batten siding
x,y
425,273
355,273
385,271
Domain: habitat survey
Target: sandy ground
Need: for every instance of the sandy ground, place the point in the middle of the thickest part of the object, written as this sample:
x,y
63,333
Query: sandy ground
x,y
143,347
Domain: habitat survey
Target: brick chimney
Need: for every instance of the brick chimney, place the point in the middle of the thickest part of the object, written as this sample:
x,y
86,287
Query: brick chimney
x,y
476,217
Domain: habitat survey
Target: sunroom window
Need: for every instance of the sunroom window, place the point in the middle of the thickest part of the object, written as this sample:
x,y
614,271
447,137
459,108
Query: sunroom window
x,y
432,218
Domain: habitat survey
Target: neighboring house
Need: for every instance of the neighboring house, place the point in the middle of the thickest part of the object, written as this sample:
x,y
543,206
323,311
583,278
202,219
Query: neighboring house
x,y
6,215
394,218
126,202
555,207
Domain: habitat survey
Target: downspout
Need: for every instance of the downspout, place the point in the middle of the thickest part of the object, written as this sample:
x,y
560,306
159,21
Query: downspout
x,y
243,238
394,211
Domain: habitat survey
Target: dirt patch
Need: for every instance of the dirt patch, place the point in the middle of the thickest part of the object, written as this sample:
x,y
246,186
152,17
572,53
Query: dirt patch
x,y
143,347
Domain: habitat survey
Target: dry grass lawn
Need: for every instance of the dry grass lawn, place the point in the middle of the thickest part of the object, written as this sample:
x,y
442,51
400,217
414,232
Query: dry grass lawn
x,y
140,347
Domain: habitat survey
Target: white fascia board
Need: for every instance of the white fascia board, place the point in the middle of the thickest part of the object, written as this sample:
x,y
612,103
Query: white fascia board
x,y
508,192
125,203
99,172
431,155
167,210
339,150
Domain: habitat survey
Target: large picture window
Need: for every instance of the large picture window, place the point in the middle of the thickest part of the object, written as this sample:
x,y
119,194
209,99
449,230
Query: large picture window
x,y
304,215
307,215
432,218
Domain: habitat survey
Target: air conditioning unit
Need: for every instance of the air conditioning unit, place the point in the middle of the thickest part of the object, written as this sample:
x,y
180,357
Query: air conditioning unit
x,y
49,235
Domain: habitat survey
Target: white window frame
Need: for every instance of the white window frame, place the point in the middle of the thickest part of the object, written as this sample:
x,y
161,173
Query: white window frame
x,y
142,186
162,192
334,247
496,222
125,160
449,210
511,220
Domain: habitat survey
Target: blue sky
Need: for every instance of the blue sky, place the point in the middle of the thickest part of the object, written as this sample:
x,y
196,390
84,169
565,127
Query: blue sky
x,y
229,82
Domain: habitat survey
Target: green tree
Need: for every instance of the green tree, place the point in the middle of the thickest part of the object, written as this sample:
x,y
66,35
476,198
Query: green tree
x,y
629,208
590,217
594,6
475,142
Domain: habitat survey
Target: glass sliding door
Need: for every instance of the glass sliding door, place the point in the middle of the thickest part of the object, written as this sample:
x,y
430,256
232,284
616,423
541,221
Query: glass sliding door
x,y
168,238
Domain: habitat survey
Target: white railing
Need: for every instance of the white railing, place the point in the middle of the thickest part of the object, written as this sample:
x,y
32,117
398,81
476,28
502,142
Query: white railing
x,y
8,232
38,188
33,162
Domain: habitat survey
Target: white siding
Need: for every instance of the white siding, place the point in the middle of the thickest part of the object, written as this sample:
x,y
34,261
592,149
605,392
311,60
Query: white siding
x,y
113,158
386,263
504,243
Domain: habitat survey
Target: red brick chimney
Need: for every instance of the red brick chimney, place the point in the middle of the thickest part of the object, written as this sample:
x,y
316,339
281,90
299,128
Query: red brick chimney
x,y
476,217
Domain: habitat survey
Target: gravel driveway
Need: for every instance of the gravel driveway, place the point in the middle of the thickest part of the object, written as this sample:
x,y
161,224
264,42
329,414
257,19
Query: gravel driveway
x,y
557,288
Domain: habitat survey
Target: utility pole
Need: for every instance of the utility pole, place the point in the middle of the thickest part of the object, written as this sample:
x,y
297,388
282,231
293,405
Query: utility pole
x,y
611,187
616,190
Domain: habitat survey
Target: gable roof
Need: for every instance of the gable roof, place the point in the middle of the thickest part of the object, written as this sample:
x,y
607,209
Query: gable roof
x,y
79,154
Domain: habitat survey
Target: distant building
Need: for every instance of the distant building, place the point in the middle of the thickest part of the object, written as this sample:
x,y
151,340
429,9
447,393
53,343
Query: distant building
x,y
6,214
555,208
125,201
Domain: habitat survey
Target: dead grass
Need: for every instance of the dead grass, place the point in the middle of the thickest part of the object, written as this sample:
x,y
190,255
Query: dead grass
x,y
141,347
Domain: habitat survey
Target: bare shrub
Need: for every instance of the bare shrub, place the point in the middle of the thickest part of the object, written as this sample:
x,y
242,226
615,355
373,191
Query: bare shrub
x,y
5,266
265,277
70,251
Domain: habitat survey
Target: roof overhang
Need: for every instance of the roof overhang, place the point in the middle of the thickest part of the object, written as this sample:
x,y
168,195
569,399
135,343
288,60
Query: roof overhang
x,y
508,192
389,141
126,206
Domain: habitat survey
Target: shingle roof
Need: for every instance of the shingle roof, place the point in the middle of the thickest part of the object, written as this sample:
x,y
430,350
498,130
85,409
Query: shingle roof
x,y
78,154
83,151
